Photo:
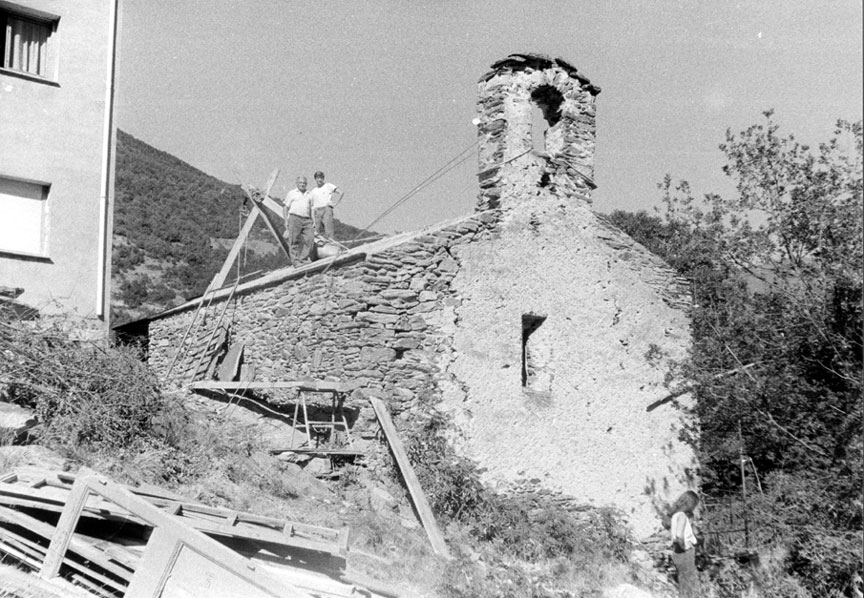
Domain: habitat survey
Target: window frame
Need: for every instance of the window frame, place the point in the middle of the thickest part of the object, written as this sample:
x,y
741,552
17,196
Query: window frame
x,y
44,218
50,21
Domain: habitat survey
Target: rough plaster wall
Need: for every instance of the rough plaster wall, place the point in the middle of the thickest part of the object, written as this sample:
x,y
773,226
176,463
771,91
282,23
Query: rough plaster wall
x,y
591,437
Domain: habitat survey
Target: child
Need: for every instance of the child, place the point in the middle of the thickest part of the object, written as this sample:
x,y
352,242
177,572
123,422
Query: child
x,y
684,544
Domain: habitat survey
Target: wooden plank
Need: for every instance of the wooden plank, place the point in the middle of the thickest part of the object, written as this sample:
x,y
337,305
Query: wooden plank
x,y
102,579
275,207
316,451
116,552
414,488
90,586
65,528
75,545
273,229
305,385
18,551
145,490
155,565
252,522
272,537
230,366
222,276
222,558
217,522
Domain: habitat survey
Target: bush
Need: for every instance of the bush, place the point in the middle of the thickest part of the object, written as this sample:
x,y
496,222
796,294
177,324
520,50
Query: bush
x,y
86,397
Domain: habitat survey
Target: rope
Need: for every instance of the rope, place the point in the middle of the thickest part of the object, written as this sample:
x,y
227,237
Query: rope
x,y
447,167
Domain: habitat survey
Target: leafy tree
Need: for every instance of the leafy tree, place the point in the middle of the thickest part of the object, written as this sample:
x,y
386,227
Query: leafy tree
x,y
776,270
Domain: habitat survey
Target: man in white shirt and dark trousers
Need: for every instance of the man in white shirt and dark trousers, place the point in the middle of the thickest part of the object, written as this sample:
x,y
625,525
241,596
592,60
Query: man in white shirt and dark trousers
x,y
323,204
298,223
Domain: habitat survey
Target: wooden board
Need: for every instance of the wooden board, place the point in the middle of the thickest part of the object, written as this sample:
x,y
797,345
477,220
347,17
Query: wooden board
x,y
47,494
230,366
414,488
273,228
222,276
170,538
306,385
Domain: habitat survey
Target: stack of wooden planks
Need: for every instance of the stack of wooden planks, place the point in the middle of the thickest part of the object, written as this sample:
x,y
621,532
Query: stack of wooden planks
x,y
119,541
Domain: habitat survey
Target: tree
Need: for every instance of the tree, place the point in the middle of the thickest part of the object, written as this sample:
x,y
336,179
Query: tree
x,y
777,276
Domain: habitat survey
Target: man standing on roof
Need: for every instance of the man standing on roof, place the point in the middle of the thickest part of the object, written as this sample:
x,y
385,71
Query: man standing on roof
x,y
323,204
298,223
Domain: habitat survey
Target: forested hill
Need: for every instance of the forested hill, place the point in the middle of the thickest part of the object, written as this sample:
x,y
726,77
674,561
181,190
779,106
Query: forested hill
x,y
173,226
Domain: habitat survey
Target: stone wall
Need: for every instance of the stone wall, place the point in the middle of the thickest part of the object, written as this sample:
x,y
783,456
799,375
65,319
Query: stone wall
x,y
380,321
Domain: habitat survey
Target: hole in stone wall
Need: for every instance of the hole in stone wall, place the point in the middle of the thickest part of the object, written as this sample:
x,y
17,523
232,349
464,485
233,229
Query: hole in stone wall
x,y
539,126
531,366
545,113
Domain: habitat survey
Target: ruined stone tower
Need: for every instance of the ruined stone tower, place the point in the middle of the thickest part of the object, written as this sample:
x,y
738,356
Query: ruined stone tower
x,y
536,120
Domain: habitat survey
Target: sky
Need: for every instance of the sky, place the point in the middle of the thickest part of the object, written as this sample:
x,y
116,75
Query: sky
x,y
381,94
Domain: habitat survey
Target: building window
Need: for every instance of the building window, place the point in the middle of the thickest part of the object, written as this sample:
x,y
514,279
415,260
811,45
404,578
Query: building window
x,y
535,355
26,38
24,225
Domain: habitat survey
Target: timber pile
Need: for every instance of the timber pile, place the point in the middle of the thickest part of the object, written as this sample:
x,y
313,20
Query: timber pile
x,y
118,541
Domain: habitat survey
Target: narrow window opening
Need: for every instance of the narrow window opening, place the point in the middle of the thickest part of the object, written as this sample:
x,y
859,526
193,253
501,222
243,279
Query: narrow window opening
x,y
545,113
531,365
539,127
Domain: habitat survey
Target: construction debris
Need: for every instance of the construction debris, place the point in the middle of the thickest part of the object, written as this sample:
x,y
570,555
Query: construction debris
x,y
117,541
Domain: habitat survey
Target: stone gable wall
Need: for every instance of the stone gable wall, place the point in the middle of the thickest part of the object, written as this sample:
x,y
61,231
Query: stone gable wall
x,y
614,317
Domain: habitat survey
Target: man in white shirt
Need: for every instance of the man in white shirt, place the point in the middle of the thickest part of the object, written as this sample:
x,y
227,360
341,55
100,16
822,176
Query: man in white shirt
x,y
323,204
298,223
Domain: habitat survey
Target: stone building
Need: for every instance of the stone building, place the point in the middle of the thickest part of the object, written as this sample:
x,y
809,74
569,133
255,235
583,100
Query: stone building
x,y
56,155
539,329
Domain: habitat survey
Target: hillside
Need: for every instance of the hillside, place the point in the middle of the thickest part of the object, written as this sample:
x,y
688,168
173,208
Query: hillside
x,y
173,227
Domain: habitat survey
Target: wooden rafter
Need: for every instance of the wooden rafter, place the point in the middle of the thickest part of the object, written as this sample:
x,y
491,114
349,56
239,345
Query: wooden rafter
x,y
222,276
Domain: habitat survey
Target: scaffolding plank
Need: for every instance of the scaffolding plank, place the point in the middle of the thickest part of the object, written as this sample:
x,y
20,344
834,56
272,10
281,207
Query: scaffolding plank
x,y
305,385
414,488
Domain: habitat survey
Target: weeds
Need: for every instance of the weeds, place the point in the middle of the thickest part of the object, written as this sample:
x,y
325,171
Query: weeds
x,y
529,546
82,394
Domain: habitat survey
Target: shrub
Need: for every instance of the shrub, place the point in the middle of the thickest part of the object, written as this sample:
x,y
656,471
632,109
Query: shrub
x,y
528,528
94,402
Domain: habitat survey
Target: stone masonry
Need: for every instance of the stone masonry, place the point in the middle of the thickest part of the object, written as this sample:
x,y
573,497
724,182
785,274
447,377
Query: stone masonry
x,y
542,331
